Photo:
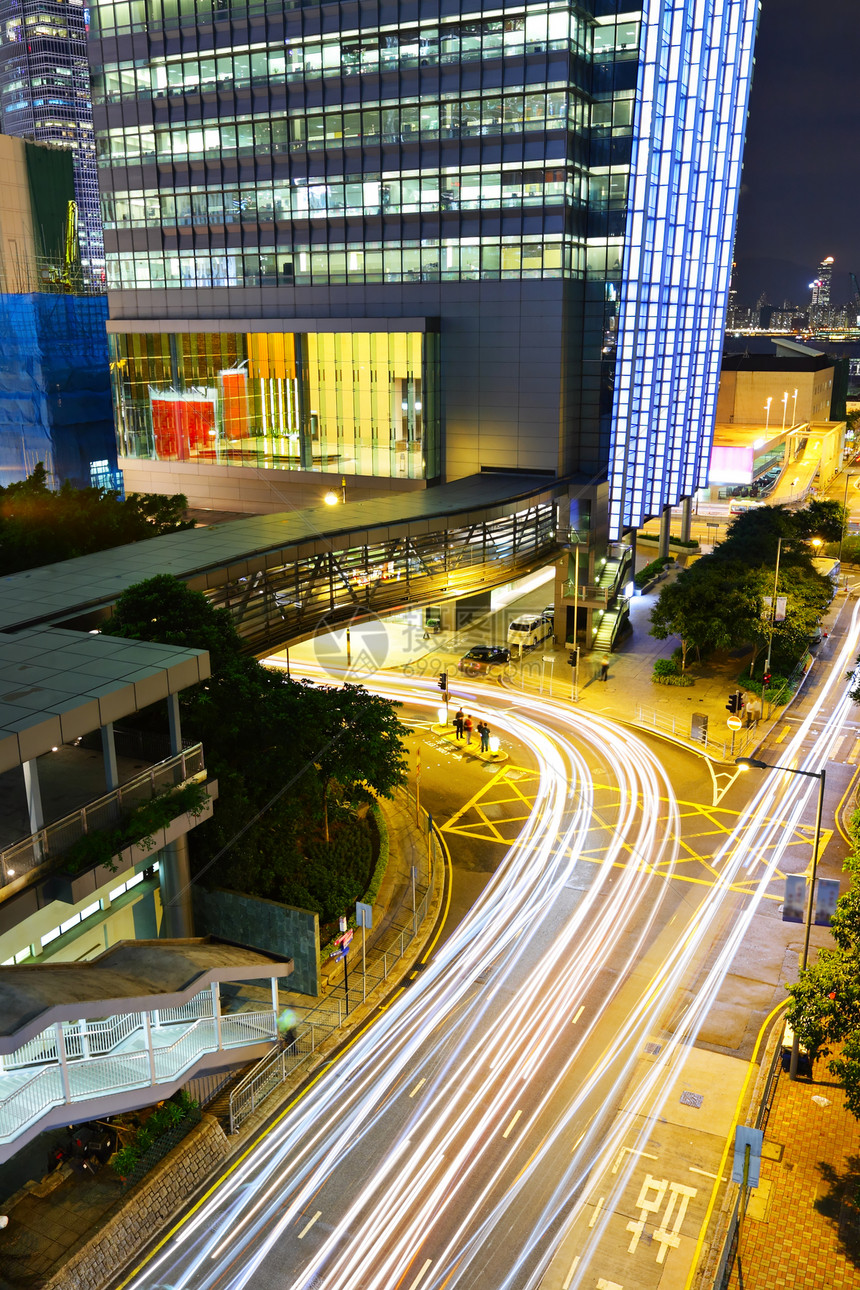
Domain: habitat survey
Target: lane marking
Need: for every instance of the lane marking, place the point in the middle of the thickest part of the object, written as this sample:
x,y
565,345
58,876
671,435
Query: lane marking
x,y
565,1285
512,1123
417,1086
785,730
576,1144
632,1151
309,1225
703,1172
578,1015
596,1215
420,1274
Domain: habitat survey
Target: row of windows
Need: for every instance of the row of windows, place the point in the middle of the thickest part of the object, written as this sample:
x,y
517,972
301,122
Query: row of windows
x,y
514,188
366,53
464,118
445,260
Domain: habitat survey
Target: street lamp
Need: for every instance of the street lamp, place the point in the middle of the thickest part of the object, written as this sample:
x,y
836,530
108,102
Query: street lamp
x,y
752,763
794,411
773,605
784,409
844,514
767,413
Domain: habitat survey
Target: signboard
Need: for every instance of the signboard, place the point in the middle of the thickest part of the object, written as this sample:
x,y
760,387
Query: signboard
x,y
752,1138
794,900
734,723
344,940
363,914
826,896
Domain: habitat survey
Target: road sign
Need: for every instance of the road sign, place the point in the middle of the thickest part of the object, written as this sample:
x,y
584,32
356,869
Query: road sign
x,y
734,723
753,1139
363,914
344,940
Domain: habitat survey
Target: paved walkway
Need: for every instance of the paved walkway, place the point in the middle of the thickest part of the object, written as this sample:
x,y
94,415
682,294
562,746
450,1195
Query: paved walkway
x,y
802,1228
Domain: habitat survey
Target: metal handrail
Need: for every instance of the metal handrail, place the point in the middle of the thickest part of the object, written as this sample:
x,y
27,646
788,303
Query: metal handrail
x,y
104,812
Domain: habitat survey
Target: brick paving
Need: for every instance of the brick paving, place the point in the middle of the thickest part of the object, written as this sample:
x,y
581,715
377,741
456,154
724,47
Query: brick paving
x,y
802,1229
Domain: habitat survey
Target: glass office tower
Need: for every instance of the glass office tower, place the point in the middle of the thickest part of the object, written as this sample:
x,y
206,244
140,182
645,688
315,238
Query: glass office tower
x,y
499,238
45,96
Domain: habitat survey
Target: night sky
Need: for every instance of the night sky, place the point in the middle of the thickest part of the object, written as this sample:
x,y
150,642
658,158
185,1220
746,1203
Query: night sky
x,y
800,199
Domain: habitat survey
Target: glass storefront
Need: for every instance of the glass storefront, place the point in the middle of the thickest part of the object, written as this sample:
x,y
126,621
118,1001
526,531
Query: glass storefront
x,y
352,403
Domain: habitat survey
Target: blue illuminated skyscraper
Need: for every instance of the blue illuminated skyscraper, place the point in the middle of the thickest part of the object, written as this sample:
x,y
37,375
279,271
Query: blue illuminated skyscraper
x,y
406,242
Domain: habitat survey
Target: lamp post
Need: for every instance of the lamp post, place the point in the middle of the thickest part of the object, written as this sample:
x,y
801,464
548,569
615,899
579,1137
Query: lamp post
x,y
773,605
845,515
767,413
794,411
784,409
752,763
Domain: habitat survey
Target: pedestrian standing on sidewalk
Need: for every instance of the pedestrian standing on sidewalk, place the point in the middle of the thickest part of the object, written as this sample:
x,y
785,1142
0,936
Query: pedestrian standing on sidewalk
x,y
468,727
484,732
604,667
458,722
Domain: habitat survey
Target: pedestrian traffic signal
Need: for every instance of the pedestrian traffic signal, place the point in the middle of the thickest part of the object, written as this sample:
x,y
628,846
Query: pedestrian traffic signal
x,y
443,681
735,702
765,680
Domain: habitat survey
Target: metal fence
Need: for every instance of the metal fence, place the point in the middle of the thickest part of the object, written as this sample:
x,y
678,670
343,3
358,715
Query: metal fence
x,y
104,813
730,1243
360,980
681,728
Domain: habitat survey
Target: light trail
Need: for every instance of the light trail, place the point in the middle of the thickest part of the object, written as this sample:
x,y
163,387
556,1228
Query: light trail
x,y
427,1195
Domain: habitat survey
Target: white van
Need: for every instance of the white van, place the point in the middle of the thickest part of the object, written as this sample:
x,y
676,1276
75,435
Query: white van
x,y
529,630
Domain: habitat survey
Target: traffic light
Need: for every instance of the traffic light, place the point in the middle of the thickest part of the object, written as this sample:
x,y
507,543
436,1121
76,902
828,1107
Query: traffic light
x,y
443,681
765,680
735,701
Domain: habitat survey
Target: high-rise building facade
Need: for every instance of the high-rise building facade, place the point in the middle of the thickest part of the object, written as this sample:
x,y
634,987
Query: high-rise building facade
x,y
45,96
409,241
819,289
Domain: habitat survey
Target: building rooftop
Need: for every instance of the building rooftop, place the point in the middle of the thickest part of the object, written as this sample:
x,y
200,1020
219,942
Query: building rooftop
x,y
58,685
57,591
808,361
132,976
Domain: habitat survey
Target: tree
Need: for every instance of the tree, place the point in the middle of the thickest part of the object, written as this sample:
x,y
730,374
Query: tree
x,y
276,747
40,526
822,519
824,1005
708,608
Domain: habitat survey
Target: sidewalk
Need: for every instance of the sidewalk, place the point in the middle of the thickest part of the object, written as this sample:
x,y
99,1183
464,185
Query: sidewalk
x,y
802,1227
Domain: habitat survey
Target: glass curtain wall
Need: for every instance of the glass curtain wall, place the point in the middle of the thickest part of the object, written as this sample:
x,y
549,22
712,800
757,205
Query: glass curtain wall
x,y
352,403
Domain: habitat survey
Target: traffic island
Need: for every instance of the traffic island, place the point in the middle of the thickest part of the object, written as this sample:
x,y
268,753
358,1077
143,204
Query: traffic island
x,y
449,734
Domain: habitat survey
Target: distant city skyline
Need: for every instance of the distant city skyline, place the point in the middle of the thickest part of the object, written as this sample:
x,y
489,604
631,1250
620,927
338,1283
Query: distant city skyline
x,y
800,188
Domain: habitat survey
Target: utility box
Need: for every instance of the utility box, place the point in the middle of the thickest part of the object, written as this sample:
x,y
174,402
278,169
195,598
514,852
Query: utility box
x,y
699,727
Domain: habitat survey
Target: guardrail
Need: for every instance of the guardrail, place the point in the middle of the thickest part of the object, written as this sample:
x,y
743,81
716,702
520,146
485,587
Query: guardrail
x,y
681,728
320,1022
105,812
730,1243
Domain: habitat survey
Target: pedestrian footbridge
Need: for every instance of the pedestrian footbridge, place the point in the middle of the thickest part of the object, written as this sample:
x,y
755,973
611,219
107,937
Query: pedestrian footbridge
x,y
284,578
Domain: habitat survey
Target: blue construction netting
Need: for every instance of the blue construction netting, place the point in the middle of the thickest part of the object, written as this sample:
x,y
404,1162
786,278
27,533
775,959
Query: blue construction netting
x,y
55,399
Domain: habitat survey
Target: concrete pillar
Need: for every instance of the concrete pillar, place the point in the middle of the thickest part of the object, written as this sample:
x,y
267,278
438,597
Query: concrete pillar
x,y
686,518
147,1031
34,795
174,875
174,724
109,756
632,536
63,1060
216,1011
275,999
85,1037
665,528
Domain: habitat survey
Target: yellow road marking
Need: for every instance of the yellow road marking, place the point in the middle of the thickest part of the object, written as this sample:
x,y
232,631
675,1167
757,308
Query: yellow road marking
x,y
782,734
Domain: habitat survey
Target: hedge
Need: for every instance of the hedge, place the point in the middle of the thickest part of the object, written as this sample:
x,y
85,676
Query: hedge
x,y
666,673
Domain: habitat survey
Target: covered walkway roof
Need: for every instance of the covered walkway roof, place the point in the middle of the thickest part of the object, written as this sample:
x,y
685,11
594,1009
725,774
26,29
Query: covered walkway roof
x,y
203,557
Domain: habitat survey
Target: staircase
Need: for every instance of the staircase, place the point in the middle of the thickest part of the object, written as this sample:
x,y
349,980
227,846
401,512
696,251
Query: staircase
x,y
609,574
609,626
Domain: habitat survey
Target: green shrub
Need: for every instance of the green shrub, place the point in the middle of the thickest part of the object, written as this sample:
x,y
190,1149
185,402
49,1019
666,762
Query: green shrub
x,y
170,1115
644,576
687,543
137,829
667,672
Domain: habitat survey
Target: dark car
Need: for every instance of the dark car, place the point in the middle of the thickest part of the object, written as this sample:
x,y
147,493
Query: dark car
x,y
482,658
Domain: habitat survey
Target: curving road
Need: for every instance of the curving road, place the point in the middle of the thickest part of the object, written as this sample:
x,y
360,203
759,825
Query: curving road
x,y
488,1129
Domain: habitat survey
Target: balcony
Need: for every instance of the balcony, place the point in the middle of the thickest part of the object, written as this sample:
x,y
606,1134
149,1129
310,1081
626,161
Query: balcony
x,y
48,846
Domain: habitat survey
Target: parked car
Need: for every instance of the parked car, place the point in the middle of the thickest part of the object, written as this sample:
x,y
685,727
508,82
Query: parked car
x,y
481,658
815,636
529,630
